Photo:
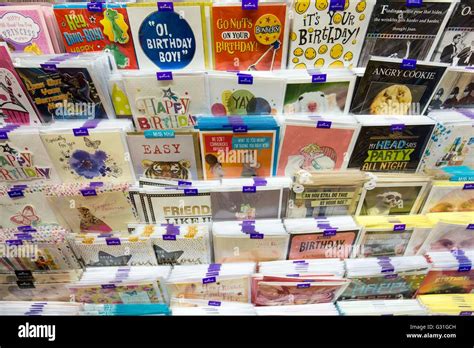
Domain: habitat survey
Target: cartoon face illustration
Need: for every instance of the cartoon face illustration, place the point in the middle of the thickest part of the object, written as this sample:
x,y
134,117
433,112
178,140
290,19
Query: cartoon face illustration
x,y
336,51
321,4
310,53
317,103
301,6
361,6
173,170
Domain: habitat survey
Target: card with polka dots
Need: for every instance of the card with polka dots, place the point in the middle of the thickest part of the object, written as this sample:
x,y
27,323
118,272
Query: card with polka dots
x,y
327,33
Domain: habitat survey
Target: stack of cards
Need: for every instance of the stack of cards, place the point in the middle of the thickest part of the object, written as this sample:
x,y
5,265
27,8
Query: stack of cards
x,y
21,308
325,35
381,307
325,193
322,309
451,273
91,150
68,87
166,100
249,241
25,206
240,94
296,289
113,285
315,143
23,157
451,147
113,250
413,35
93,208
15,105
391,143
214,310
234,147
250,198
456,304
88,29
216,282
447,196
384,277
332,237
320,267
128,309
178,245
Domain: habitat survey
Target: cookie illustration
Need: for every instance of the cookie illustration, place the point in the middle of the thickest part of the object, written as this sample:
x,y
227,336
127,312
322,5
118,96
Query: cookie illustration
x,y
393,100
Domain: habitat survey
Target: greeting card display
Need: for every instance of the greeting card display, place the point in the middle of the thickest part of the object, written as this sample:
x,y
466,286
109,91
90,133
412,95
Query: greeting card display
x,y
24,159
391,144
455,91
82,154
396,87
67,87
170,36
384,278
329,94
102,209
333,237
325,36
178,245
217,282
325,193
36,292
86,29
15,105
238,147
27,29
398,29
319,267
316,143
166,103
250,199
451,146
25,207
249,39
175,157
455,45
451,273
249,241
245,94
393,194
381,307
447,196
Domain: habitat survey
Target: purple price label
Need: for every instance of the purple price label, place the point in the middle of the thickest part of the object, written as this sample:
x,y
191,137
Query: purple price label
x,y
190,192
212,274
49,67
25,228
15,193
214,303
24,236
414,3
293,275
259,182
112,241
80,132
323,124
164,75
408,64
14,242
397,128
248,228
3,135
248,222
208,280
391,276
249,4
465,313
242,128
108,286
169,237
245,79
300,261
470,227
256,235
387,269
249,189
184,183
336,5
303,286
94,6
399,227
214,267
329,233
88,192
323,226
96,184
468,186
165,6
318,78
464,268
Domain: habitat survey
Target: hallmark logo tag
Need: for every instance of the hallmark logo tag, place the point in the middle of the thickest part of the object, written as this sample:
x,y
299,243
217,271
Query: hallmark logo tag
x,y
80,132
164,75
165,6
249,4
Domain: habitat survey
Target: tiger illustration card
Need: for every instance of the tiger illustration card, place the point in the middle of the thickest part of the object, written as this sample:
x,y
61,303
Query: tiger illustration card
x,y
166,158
